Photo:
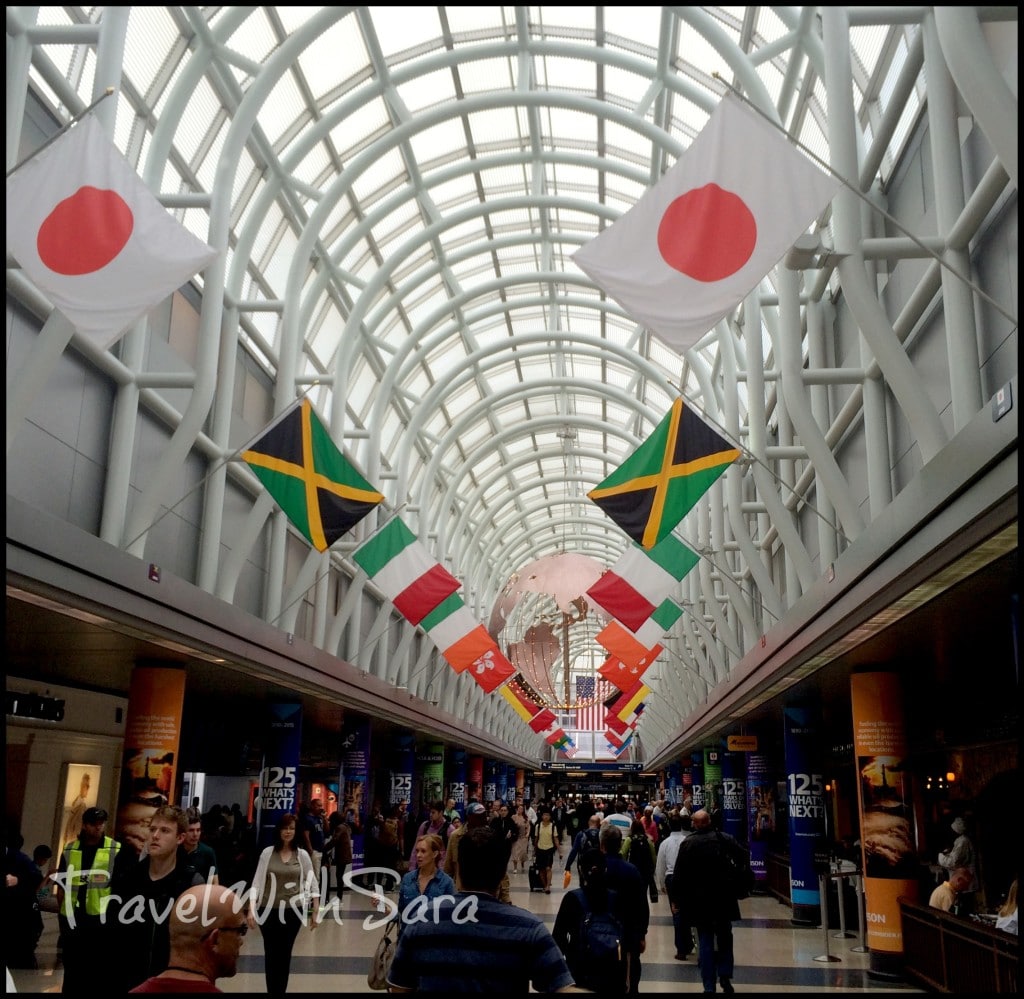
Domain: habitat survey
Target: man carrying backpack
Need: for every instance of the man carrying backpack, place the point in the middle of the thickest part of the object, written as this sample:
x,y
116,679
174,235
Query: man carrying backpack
x,y
626,880
590,932
586,839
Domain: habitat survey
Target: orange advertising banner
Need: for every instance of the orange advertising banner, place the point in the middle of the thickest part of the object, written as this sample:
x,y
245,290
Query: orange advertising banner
x,y
886,806
150,759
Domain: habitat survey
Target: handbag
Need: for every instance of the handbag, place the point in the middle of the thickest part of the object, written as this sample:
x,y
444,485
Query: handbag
x,y
740,877
380,963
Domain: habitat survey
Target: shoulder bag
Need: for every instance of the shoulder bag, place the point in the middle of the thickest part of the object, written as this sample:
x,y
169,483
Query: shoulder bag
x,y
740,876
380,963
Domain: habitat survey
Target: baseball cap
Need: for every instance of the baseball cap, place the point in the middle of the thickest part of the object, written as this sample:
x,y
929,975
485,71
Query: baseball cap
x,y
93,815
475,808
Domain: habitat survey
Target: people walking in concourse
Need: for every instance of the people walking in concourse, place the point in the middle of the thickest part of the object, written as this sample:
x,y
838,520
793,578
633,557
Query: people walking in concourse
x,y
142,893
286,896
623,878
207,929
545,842
84,877
679,829
502,948
702,892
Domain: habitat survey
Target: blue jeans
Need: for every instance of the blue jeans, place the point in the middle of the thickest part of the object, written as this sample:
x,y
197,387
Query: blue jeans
x,y
714,949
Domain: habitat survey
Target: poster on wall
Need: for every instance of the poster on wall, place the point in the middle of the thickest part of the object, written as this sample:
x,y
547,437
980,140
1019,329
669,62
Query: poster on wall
x,y
887,823
80,789
152,729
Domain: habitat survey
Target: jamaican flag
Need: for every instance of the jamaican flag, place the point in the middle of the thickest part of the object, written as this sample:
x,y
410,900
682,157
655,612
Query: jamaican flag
x,y
659,483
315,485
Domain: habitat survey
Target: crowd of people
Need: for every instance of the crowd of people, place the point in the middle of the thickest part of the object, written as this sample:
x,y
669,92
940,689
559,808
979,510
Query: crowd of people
x,y
624,856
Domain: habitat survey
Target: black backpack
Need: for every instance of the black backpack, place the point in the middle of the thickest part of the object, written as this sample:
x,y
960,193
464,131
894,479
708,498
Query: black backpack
x,y
596,952
640,854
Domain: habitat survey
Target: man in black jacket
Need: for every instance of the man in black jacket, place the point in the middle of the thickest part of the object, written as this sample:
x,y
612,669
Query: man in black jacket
x,y
622,877
702,892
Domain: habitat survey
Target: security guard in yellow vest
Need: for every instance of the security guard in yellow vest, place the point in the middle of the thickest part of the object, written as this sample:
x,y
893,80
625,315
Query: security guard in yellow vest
x,y
83,888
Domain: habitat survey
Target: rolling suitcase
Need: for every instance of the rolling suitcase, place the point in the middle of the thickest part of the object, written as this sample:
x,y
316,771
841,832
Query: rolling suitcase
x,y
534,875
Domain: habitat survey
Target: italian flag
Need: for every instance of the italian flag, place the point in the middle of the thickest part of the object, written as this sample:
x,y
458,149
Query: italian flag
x,y
632,589
458,635
404,571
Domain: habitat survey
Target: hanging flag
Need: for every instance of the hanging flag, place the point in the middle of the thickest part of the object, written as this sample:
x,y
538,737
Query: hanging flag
x,y
661,621
491,669
617,751
617,673
590,696
315,485
558,739
618,739
521,704
405,571
628,703
701,239
92,237
622,644
543,720
458,635
616,724
569,750
633,588
659,483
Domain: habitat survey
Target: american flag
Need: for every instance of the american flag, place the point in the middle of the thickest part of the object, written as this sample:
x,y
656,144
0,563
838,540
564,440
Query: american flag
x,y
590,715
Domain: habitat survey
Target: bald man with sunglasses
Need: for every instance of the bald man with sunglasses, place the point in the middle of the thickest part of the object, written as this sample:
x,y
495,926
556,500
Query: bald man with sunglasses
x,y
207,929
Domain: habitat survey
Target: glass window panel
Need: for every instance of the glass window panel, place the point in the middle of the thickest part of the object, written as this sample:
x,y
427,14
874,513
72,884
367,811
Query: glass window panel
x,y
254,37
351,133
399,28
319,61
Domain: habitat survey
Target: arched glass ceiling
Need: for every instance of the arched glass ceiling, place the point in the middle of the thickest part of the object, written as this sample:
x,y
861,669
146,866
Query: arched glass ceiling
x,y
398,192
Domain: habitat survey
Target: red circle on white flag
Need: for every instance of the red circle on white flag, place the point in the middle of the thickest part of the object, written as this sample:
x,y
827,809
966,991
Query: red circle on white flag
x,y
707,234
85,232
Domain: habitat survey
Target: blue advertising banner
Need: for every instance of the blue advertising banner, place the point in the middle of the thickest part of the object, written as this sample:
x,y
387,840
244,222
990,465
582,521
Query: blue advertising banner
x,y
355,777
760,812
673,784
279,777
697,779
490,791
403,758
805,804
734,795
503,782
457,780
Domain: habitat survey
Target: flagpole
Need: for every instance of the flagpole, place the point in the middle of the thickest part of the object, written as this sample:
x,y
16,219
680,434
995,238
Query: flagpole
x,y
871,204
60,131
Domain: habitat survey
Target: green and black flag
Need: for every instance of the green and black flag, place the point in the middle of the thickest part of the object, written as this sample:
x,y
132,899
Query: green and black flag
x,y
659,483
312,481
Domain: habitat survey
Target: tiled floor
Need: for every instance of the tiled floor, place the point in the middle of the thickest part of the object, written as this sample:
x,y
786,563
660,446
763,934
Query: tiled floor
x,y
772,955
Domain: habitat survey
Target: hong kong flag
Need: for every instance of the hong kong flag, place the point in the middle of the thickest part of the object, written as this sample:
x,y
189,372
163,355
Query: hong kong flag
x,y
701,239
93,238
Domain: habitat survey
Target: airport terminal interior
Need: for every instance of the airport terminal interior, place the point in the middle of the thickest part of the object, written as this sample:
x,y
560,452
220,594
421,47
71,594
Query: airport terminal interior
x,y
551,402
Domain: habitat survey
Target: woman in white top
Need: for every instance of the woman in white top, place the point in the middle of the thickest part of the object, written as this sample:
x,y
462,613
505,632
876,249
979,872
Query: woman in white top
x,y
285,895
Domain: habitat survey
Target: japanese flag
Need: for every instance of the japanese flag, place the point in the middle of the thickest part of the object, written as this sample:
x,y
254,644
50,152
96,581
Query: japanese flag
x,y
701,239
93,237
